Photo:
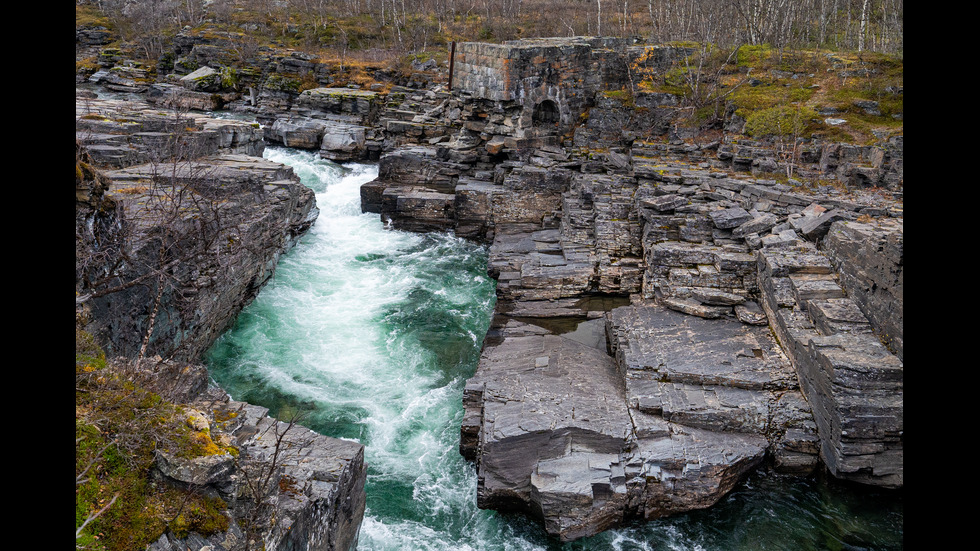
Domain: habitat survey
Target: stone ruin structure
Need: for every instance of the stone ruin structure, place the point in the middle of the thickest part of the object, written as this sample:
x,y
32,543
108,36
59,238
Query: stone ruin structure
x,y
722,320
544,86
551,80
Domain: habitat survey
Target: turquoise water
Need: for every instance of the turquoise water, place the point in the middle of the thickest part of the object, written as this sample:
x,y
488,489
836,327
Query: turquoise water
x,y
370,335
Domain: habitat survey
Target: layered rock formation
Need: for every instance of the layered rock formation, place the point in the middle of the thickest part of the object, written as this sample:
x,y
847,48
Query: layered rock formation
x,y
756,309
118,133
178,226
197,230
701,390
586,441
852,381
869,261
338,122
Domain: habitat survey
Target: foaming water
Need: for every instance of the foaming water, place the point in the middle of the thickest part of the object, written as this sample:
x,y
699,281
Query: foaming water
x,y
370,335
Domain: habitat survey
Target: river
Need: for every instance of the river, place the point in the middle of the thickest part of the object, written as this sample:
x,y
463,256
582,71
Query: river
x,y
370,334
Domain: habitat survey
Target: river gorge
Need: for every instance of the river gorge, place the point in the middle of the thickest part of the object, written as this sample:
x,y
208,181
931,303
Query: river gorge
x,y
370,334
528,305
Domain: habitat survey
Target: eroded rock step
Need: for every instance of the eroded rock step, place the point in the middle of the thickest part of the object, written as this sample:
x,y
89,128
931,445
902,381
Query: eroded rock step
x,y
853,382
585,441
713,374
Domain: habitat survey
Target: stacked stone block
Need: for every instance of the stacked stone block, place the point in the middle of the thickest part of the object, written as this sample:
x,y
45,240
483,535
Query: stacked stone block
x,y
870,260
851,380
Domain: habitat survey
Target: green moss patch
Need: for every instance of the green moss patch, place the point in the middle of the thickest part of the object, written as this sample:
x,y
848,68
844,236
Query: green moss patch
x,y
119,425
781,121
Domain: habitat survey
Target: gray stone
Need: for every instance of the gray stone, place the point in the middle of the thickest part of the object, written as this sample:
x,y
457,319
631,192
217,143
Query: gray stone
x,y
759,224
853,384
838,315
870,260
784,239
209,474
534,411
750,312
730,218
301,133
343,143
550,426
716,297
815,227
665,203
417,209
869,107
807,287
653,343
316,493
696,308
204,79
692,469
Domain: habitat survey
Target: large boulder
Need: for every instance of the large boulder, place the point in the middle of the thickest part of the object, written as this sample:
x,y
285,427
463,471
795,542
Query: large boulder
x,y
204,79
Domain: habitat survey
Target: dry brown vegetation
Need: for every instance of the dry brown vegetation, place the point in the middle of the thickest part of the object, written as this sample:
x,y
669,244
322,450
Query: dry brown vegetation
x,y
363,28
821,43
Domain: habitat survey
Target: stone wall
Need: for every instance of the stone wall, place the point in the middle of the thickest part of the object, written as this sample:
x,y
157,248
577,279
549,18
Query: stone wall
x,y
553,79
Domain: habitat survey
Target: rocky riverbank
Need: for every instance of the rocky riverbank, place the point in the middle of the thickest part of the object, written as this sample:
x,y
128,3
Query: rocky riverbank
x,y
745,342
293,487
192,224
178,226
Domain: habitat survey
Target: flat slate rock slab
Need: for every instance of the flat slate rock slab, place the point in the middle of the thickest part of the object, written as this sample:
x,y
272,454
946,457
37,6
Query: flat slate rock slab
x,y
652,343
541,397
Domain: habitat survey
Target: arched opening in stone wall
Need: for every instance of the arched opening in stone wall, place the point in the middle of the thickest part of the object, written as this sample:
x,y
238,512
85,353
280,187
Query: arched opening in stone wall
x,y
545,113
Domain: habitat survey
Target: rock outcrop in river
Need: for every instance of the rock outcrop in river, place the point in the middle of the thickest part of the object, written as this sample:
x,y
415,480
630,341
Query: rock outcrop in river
x,y
763,322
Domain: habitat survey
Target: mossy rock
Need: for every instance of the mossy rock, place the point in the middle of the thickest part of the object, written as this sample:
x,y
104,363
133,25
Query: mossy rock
x,y
118,428
282,83
749,99
780,121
